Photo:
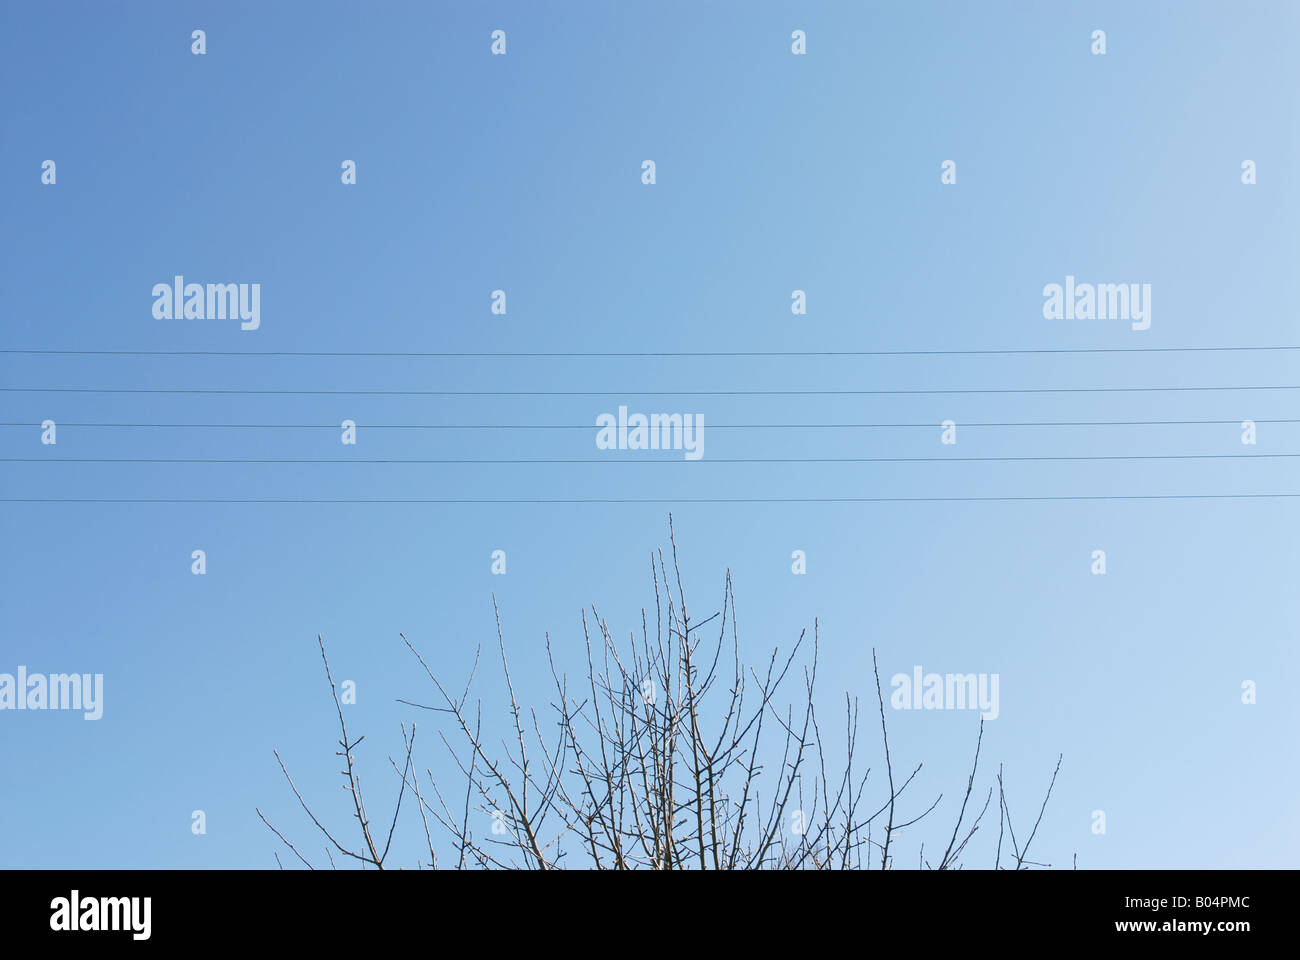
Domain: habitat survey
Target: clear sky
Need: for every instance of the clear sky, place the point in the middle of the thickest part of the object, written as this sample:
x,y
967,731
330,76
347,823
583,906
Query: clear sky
x,y
774,173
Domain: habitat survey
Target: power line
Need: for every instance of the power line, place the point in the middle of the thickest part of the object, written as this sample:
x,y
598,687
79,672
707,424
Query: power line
x,y
657,460
656,500
636,393
712,426
394,354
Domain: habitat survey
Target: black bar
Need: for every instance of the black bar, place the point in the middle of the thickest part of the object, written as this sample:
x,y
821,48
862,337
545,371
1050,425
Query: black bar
x,y
921,908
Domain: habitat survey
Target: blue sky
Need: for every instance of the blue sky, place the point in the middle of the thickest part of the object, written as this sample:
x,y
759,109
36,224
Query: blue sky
x,y
774,173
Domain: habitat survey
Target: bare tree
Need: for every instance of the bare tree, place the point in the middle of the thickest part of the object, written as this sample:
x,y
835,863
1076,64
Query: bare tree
x,y
669,753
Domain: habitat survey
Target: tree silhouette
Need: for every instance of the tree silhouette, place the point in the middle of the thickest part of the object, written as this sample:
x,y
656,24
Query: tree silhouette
x,y
670,753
